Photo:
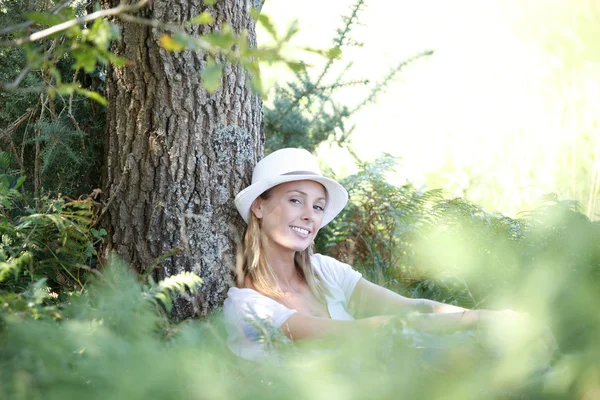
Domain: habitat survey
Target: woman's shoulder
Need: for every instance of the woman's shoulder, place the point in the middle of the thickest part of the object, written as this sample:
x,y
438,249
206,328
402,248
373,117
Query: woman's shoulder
x,y
240,296
331,269
251,315
327,263
321,261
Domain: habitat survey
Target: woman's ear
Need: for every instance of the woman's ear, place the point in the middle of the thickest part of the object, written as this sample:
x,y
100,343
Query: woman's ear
x,y
256,208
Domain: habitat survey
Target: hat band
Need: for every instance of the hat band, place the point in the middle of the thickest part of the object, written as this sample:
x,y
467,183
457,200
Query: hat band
x,y
301,173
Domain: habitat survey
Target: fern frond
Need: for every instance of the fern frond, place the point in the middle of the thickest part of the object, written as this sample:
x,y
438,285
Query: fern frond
x,y
165,290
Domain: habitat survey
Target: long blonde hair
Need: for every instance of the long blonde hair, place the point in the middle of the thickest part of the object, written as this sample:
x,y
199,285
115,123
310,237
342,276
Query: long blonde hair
x,y
262,277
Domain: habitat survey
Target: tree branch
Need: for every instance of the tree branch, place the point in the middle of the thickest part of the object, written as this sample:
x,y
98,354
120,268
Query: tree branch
x,y
12,86
149,22
74,22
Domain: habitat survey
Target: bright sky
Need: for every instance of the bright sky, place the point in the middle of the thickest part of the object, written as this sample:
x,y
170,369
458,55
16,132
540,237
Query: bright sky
x,y
498,112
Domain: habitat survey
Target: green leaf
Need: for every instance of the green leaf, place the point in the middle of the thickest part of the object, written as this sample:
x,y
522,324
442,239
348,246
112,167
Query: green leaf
x,y
20,181
296,66
165,299
116,60
65,89
5,181
186,41
257,85
334,53
211,76
170,44
6,267
209,2
44,19
101,33
292,30
266,54
58,206
4,161
84,58
223,40
203,19
93,95
265,21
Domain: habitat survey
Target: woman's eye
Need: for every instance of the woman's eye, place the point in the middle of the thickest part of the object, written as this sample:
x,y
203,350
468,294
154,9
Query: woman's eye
x,y
319,208
295,201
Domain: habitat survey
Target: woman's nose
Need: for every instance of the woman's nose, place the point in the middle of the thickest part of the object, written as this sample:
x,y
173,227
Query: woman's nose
x,y
308,215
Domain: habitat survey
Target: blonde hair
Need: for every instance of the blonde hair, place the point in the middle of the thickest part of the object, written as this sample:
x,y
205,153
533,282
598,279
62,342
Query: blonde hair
x,y
260,273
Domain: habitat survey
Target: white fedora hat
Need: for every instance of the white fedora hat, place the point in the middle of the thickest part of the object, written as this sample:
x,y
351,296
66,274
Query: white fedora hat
x,y
288,165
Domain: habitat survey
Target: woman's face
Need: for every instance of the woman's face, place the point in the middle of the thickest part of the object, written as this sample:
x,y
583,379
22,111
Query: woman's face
x,y
292,214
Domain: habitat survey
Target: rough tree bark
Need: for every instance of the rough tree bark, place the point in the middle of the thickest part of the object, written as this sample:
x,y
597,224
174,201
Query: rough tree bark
x,y
175,155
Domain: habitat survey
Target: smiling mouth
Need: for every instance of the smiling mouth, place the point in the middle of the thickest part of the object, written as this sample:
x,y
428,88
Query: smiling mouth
x,y
300,230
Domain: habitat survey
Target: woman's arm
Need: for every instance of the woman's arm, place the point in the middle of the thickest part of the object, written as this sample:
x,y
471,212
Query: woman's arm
x,y
369,299
375,307
301,326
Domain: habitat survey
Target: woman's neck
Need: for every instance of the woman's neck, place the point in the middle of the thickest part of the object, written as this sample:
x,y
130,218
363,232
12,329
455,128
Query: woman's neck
x,y
283,265
285,271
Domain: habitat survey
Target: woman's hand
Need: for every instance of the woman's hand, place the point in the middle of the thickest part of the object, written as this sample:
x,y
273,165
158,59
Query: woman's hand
x,y
513,331
516,320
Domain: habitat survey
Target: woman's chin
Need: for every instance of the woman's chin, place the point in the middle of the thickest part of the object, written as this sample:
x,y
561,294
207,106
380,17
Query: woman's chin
x,y
299,247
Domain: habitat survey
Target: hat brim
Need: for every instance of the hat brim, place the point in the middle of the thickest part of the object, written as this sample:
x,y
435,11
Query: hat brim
x,y
337,196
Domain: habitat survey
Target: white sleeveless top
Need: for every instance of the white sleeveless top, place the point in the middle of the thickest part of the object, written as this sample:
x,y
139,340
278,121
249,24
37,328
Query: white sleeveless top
x,y
251,317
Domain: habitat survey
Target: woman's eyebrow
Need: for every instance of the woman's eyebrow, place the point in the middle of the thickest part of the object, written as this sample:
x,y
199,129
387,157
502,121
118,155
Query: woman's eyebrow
x,y
304,194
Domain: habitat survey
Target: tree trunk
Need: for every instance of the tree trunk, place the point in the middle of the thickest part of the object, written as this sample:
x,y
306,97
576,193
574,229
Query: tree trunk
x,y
176,156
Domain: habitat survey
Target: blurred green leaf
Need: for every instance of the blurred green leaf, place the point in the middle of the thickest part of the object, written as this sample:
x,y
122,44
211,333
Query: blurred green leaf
x,y
116,60
334,53
257,85
20,181
170,44
222,40
187,41
293,29
265,21
296,66
43,18
84,58
93,95
204,18
211,76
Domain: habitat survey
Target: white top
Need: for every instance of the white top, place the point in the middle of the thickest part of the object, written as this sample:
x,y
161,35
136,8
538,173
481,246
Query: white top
x,y
252,318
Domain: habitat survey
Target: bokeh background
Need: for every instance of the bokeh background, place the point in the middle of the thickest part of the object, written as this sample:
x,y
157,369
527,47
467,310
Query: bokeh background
x,y
504,112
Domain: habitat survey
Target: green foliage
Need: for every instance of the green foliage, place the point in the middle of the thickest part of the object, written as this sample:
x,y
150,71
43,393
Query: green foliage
x,y
87,46
71,31
109,345
59,141
46,247
64,155
112,344
211,76
376,229
421,244
54,140
181,283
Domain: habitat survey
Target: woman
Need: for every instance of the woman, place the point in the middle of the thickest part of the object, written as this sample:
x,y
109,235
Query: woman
x,y
282,285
